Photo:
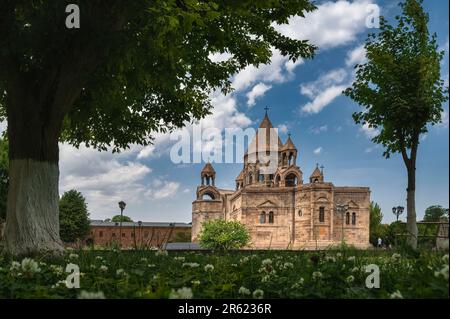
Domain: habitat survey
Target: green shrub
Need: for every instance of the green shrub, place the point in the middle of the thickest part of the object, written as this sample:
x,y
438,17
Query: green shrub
x,y
222,235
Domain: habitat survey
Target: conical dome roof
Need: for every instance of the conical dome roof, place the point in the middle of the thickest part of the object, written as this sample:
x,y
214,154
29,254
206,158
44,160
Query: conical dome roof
x,y
265,127
208,169
289,145
316,173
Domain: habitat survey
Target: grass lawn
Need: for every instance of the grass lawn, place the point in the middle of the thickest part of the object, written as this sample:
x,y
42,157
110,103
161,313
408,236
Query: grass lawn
x,y
237,274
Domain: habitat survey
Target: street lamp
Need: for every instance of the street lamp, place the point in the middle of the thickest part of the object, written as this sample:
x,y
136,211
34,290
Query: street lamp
x,y
122,205
397,211
342,209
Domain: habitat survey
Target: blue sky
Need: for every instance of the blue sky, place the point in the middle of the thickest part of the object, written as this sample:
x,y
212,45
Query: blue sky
x,y
305,101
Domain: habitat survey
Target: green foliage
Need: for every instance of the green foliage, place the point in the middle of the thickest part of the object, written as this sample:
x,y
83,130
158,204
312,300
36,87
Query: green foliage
x,y
223,235
435,213
73,217
278,274
375,227
4,176
136,67
181,237
124,218
400,87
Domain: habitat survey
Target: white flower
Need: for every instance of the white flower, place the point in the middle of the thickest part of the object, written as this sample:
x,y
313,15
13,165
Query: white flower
x,y
298,284
99,257
91,295
73,256
266,262
355,269
443,272
396,295
244,260
143,259
338,255
445,258
103,268
258,294
209,267
351,258
120,271
161,252
265,278
182,293
244,291
14,266
195,282
350,279
288,265
192,265
330,258
234,265
57,269
317,275
151,265
395,257
179,258
30,266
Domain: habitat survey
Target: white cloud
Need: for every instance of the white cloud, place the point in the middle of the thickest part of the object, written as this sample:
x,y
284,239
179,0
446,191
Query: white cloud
x,y
356,56
220,57
318,129
331,25
162,190
258,91
318,150
323,99
444,120
370,132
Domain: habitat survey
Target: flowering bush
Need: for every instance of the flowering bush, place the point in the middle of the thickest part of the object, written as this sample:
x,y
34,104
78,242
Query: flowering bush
x,y
222,235
239,274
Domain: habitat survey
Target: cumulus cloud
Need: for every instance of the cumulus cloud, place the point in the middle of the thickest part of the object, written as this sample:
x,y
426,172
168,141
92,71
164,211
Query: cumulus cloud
x,y
162,190
356,56
323,99
283,128
370,132
318,150
331,25
258,91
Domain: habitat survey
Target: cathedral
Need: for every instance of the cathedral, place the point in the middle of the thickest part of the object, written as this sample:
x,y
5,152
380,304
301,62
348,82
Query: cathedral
x,y
281,210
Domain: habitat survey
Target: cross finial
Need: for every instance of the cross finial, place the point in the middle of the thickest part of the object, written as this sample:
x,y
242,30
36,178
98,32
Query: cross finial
x,y
289,134
267,109
317,165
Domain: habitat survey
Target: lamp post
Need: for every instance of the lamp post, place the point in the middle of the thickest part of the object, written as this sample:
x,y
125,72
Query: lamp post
x,y
342,209
122,205
397,211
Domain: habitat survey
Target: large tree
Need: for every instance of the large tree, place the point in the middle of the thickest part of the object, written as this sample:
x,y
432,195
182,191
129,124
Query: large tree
x,y
375,227
435,213
4,178
401,90
73,217
132,68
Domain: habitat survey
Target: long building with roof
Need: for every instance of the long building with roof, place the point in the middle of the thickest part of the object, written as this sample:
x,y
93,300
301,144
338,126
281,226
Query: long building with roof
x,y
279,208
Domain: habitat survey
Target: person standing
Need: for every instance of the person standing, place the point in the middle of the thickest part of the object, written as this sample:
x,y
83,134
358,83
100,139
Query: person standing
x,y
380,242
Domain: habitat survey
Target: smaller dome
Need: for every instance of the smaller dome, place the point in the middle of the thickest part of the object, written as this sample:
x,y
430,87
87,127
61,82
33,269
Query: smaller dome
x,y
289,145
208,169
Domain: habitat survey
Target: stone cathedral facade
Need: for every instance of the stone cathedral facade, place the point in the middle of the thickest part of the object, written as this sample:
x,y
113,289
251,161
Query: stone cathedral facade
x,y
282,210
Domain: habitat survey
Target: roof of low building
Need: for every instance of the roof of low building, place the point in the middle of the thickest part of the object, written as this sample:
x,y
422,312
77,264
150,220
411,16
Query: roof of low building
x,y
100,223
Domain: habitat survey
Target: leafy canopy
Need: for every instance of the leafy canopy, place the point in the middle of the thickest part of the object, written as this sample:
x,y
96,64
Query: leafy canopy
x,y
124,218
222,235
135,67
435,213
73,217
400,86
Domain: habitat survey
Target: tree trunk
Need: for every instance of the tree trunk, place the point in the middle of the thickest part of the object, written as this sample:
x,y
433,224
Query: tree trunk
x,y
32,218
411,225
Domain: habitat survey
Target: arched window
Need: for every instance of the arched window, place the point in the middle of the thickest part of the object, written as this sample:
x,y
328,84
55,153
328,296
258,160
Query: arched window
x,y
353,218
316,180
262,218
291,180
270,217
277,180
321,214
207,196
250,178
291,159
300,213
207,180
347,218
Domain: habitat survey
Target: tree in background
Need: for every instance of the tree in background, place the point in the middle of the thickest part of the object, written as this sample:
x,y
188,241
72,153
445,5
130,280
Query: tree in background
x,y
401,90
73,217
117,218
435,213
222,235
131,69
375,227
4,177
